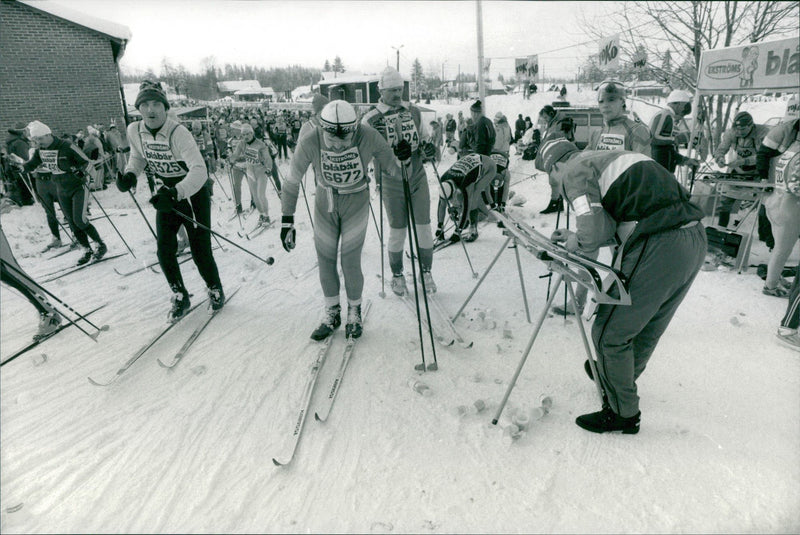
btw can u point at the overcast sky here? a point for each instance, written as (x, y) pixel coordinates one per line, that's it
(278, 33)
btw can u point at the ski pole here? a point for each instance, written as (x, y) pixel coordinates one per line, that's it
(413, 239)
(380, 200)
(447, 202)
(153, 232)
(49, 209)
(38, 286)
(305, 198)
(233, 192)
(112, 223)
(269, 260)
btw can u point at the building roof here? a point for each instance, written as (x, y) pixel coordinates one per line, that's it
(232, 86)
(259, 91)
(110, 29)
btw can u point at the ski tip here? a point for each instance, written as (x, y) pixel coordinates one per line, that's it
(95, 383)
(432, 367)
(276, 462)
(318, 418)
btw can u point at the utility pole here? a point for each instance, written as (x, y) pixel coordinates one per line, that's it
(460, 96)
(481, 85)
(398, 56)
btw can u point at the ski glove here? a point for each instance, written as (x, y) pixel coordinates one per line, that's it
(165, 199)
(126, 182)
(567, 237)
(428, 151)
(287, 232)
(403, 150)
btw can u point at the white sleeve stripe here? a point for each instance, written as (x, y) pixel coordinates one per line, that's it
(616, 168)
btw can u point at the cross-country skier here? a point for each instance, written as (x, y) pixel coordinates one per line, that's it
(663, 126)
(169, 150)
(14, 276)
(67, 165)
(384, 118)
(618, 133)
(255, 155)
(340, 150)
(627, 198)
(467, 187)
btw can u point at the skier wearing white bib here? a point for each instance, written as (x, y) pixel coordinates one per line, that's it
(384, 118)
(255, 155)
(339, 150)
(168, 149)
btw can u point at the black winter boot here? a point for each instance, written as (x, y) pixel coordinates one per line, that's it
(607, 420)
(556, 205)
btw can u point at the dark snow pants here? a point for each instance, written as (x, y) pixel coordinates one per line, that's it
(167, 226)
(660, 270)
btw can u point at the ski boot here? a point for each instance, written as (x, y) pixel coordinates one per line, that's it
(180, 304)
(216, 297)
(333, 319)
(427, 278)
(48, 322)
(263, 220)
(399, 284)
(87, 256)
(353, 328)
(556, 205)
(55, 244)
(101, 251)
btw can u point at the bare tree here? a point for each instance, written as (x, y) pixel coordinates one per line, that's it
(675, 33)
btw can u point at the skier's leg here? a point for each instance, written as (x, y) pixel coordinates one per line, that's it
(354, 213)
(47, 193)
(65, 193)
(660, 270)
(394, 202)
(421, 204)
(167, 225)
(200, 238)
(326, 242)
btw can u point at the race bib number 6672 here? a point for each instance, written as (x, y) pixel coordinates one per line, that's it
(341, 168)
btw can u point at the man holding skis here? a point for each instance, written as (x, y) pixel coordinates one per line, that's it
(169, 150)
(627, 198)
(387, 114)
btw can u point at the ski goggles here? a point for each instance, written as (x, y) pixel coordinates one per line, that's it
(340, 130)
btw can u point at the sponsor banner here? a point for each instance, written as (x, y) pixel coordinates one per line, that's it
(521, 66)
(639, 59)
(608, 55)
(533, 67)
(751, 68)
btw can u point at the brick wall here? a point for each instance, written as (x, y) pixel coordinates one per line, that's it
(55, 71)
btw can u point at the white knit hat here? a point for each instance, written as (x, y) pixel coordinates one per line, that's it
(38, 129)
(390, 78)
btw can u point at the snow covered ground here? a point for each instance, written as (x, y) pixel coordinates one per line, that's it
(189, 449)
